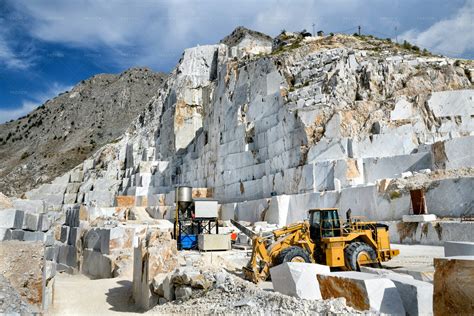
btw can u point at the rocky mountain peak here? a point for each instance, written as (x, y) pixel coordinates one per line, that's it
(240, 32)
(68, 128)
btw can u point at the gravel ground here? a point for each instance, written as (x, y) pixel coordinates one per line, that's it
(11, 302)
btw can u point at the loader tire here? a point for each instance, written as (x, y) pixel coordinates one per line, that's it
(293, 254)
(355, 251)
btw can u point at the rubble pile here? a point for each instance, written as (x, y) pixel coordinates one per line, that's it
(216, 292)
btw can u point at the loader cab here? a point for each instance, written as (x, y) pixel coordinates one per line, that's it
(324, 223)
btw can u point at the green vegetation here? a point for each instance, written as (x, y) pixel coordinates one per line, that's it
(409, 46)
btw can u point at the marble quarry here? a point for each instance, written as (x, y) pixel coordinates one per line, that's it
(270, 136)
(273, 137)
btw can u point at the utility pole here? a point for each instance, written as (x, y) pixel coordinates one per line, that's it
(314, 34)
(359, 29)
(396, 35)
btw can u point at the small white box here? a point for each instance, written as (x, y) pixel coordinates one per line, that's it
(214, 242)
(205, 208)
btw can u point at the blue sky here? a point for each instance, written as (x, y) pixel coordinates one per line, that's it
(48, 46)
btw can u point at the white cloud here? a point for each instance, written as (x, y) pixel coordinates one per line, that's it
(31, 103)
(12, 59)
(453, 36)
(148, 31)
(154, 32)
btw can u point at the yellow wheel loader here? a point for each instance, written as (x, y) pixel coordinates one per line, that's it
(323, 239)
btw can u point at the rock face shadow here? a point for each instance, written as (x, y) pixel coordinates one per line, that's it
(120, 298)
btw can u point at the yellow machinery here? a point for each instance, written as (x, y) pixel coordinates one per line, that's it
(323, 239)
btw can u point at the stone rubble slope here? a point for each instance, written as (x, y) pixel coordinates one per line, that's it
(67, 129)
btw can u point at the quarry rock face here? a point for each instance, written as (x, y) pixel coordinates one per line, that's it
(453, 285)
(328, 121)
(337, 122)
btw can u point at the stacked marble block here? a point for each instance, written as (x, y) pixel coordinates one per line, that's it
(27, 221)
(66, 250)
(102, 246)
(145, 178)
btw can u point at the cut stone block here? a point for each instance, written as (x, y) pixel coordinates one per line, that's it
(125, 200)
(45, 223)
(51, 253)
(67, 256)
(76, 176)
(417, 296)
(70, 198)
(97, 265)
(209, 242)
(452, 103)
(72, 217)
(100, 198)
(31, 221)
(33, 236)
(403, 111)
(18, 234)
(419, 218)
(454, 286)
(73, 188)
(298, 279)
(106, 239)
(362, 291)
(33, 206)
(383, 272)
(5, 234)
(74, 236)
(11, 218)
(458, 248)
(64, 233)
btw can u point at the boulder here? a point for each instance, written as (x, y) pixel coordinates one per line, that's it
(362, 291)
(168, 289)
(298, 279)
(454, 286)
(157, 284)
(183, 292)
